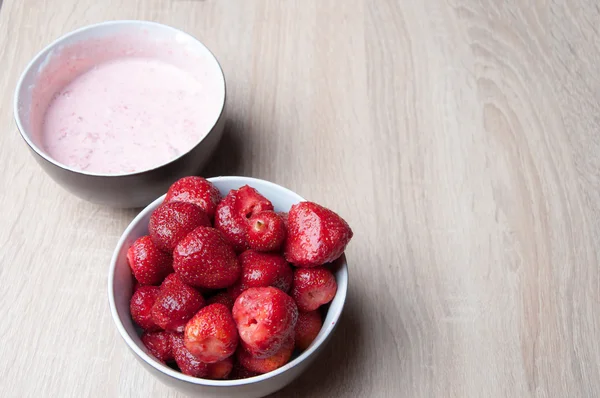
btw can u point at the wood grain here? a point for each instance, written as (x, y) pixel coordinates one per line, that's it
(459, 138)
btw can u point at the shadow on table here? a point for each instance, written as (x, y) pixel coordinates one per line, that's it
(336, 364)
(226, 160)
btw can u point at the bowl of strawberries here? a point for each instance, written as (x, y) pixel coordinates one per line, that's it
(229, 286)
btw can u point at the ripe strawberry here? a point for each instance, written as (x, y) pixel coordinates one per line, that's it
(222, 297)
(240, 372)
(234, 211)
(220, 370)
(159, 345)
(249, 202)
(316, 235)
(313, 287)
(195, 190)
(205, 259)
(307, 328)
(172, 221)
(140, 307)
(170, 281)
(176, 304)
(266, 231)
(265, 317)
(269, 364)
(211, 335)
(148, 264)
(187, 363)
(262, 270)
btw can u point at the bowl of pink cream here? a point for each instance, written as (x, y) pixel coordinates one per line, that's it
(115, 112)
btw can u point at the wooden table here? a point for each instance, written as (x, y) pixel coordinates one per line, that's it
(459, 138)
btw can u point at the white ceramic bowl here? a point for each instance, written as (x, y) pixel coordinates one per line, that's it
(120, 291)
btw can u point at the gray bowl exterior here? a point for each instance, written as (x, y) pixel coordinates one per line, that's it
(253, 390)
(135, 190)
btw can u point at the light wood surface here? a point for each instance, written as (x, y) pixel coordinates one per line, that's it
(459, 138)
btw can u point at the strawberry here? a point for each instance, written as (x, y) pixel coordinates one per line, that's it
(204, 259)
(159, 345)
(211, 335)
(269, 364)
(266, 231)
(222, 297)
(170, 281)
(248, 201)
(313, 287)
(140, 307)
(172, 221)
(316, 235)
(261, 270)
(176, 304)
(195, 190)
(265, 317)
(307, 328)
(234, 211)
(240, 372)
(220, 370)
(187, 363)
(148, 264)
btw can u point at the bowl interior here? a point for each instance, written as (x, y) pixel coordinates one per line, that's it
(79, 51)
(121, 281)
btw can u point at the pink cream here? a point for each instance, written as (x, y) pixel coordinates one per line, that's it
(126, 115)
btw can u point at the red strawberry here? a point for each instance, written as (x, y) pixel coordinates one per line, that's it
(171, 222)
(140, 307)
(222, 297)
(313, 287)
(211, 335)
(265, 317)
(307, 328)
(148, 264)
(220, 370)
(316, 235)
(176, 304)
(187, 363)
(269, 364)
(205, 259)
(170, 281)
(195, 190)
(266, 231)
(235, 210)
(261, 270)
(159, 345)
(240, 372)
(249, 202)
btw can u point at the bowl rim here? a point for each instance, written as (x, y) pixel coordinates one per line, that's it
(329, 328)
(47, 49)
